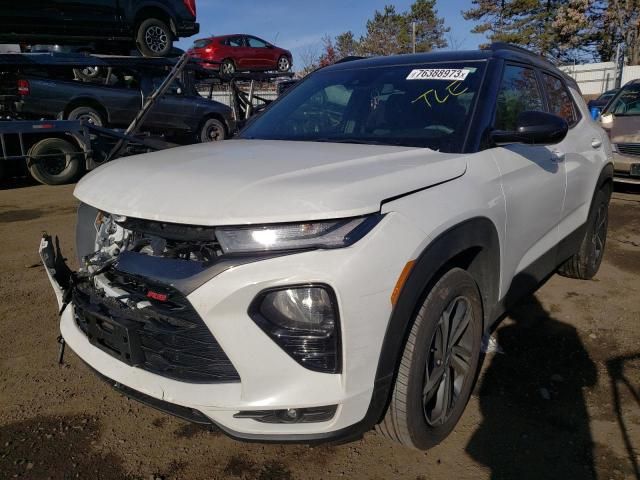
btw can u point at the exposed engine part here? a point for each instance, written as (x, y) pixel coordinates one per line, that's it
(115, 234)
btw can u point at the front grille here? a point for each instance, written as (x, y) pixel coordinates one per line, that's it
(629, 148)
(166, 337)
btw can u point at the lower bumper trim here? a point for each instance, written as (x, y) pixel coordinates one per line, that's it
(185, 413)
(344, 435)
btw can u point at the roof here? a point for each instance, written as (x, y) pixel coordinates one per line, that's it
(495, 50)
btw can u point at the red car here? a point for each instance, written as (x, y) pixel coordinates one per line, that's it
(241, 53)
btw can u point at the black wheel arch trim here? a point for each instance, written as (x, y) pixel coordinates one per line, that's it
(473, 245)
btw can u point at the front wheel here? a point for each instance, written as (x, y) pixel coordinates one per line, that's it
(212, 131)
(154, 38)
(439, 364)
(585, 263)
(283, 64)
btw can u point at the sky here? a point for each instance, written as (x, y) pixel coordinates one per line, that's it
(299, 25)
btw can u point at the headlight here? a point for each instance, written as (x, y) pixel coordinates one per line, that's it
(303, 321)
(292, 236)
(614, 147)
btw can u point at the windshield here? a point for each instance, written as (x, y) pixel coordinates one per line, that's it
(425, 105)
(627, 103)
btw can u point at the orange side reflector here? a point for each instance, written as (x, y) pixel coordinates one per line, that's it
(401, 281)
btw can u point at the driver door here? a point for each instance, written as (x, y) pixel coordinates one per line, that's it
(173, 112)
(533, 177)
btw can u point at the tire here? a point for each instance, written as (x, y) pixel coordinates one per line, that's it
(283, 65)
(154, 38)
(585, 263)
(227, 67)
(58, 170)
(421, 422)
(88, 74)
(87, 114)
(212, 131)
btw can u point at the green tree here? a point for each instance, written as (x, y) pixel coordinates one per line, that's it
(430, 29)
(386, 33)
(346, 45)
(521, 22)
(390, 32)
(566, 29)
(619, 22)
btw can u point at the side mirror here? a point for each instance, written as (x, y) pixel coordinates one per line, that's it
(533, 128)
(270, 46)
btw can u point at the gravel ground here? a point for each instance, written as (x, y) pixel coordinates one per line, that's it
(561, 401)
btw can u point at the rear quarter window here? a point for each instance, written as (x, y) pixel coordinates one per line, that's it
(200, 43)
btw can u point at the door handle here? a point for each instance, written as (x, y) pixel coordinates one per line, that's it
(557, 156)
(596, 142)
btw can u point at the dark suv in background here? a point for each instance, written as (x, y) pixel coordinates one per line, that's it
(109, 26)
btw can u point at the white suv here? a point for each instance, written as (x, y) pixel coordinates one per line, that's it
(336, 266)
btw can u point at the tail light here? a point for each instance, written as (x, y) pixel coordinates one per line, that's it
(23, 87)
(191, 6)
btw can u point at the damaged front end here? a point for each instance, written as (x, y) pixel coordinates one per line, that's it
(129, 295)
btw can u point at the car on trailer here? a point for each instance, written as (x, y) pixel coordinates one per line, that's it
(241, 52)
(56, 86)
(110, 26)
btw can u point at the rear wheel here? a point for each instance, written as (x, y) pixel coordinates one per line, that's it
(212, 131)
(87, 115)
(439, 364)
(228, 67)
(55, 161)
(585, 263)
(154, 38)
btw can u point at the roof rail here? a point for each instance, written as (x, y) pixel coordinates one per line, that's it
(519, 49)
(349, 58)
(509, 46)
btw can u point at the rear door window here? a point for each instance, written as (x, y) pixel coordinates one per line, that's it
(235, 42)
(519, 92)
(560, 102)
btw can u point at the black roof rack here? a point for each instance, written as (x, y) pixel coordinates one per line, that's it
(508, 46)
(518, 49)
(349, 58)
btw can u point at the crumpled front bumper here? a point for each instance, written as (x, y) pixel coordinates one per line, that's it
(270, 379)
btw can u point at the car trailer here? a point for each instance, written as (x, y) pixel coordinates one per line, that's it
(245, 103)
(55, 151)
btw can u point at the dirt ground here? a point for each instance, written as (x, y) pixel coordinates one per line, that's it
(561, 401)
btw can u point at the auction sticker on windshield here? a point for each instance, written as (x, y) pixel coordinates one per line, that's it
(438, 74)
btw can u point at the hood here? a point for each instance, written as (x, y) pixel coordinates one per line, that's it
(262, 181)
(625, 129)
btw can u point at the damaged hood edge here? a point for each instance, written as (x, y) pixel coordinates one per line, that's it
(263, 181)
